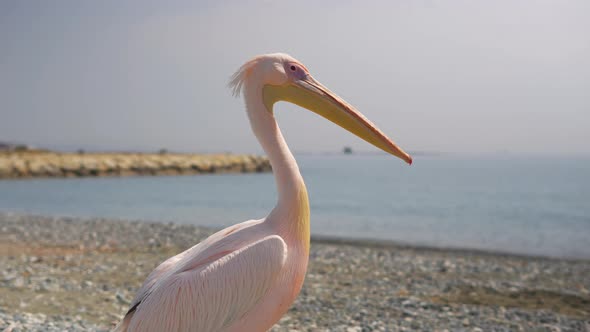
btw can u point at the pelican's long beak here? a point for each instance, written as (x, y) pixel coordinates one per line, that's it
(311, 94)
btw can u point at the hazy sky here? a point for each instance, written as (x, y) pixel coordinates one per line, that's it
(453, 76)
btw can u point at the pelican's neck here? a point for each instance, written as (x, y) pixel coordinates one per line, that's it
(287, 176)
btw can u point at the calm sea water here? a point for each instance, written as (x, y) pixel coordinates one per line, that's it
(534, 205)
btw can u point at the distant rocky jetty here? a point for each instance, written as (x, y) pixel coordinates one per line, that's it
(7, 146)
(33, 164)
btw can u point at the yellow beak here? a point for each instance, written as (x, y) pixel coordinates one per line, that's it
(310, 94)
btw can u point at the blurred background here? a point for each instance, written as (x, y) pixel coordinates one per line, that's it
(490, 97)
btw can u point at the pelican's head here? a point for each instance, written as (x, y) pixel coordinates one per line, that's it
(284, 78)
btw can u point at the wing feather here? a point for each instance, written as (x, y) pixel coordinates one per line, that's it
(212, 296)
(193, 256)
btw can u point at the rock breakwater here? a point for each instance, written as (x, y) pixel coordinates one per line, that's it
(33, 164)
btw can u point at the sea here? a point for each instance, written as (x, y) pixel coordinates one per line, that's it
(535, 205)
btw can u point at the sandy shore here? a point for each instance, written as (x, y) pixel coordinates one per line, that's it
(80, 274)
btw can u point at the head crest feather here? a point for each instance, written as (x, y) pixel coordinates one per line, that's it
(236, 83)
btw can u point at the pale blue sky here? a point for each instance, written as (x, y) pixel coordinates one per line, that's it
(452, 76)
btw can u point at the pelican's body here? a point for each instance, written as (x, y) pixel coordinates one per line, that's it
(245, 277)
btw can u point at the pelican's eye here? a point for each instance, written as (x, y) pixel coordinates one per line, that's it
(295, 71)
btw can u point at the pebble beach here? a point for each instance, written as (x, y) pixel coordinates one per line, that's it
(73, 274)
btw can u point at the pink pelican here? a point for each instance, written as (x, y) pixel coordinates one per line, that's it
(245, 277)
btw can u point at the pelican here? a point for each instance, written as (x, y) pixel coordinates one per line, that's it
(245, 277)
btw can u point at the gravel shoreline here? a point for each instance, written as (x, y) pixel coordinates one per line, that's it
(73, 274)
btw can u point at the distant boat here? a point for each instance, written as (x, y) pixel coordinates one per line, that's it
(347, 150)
